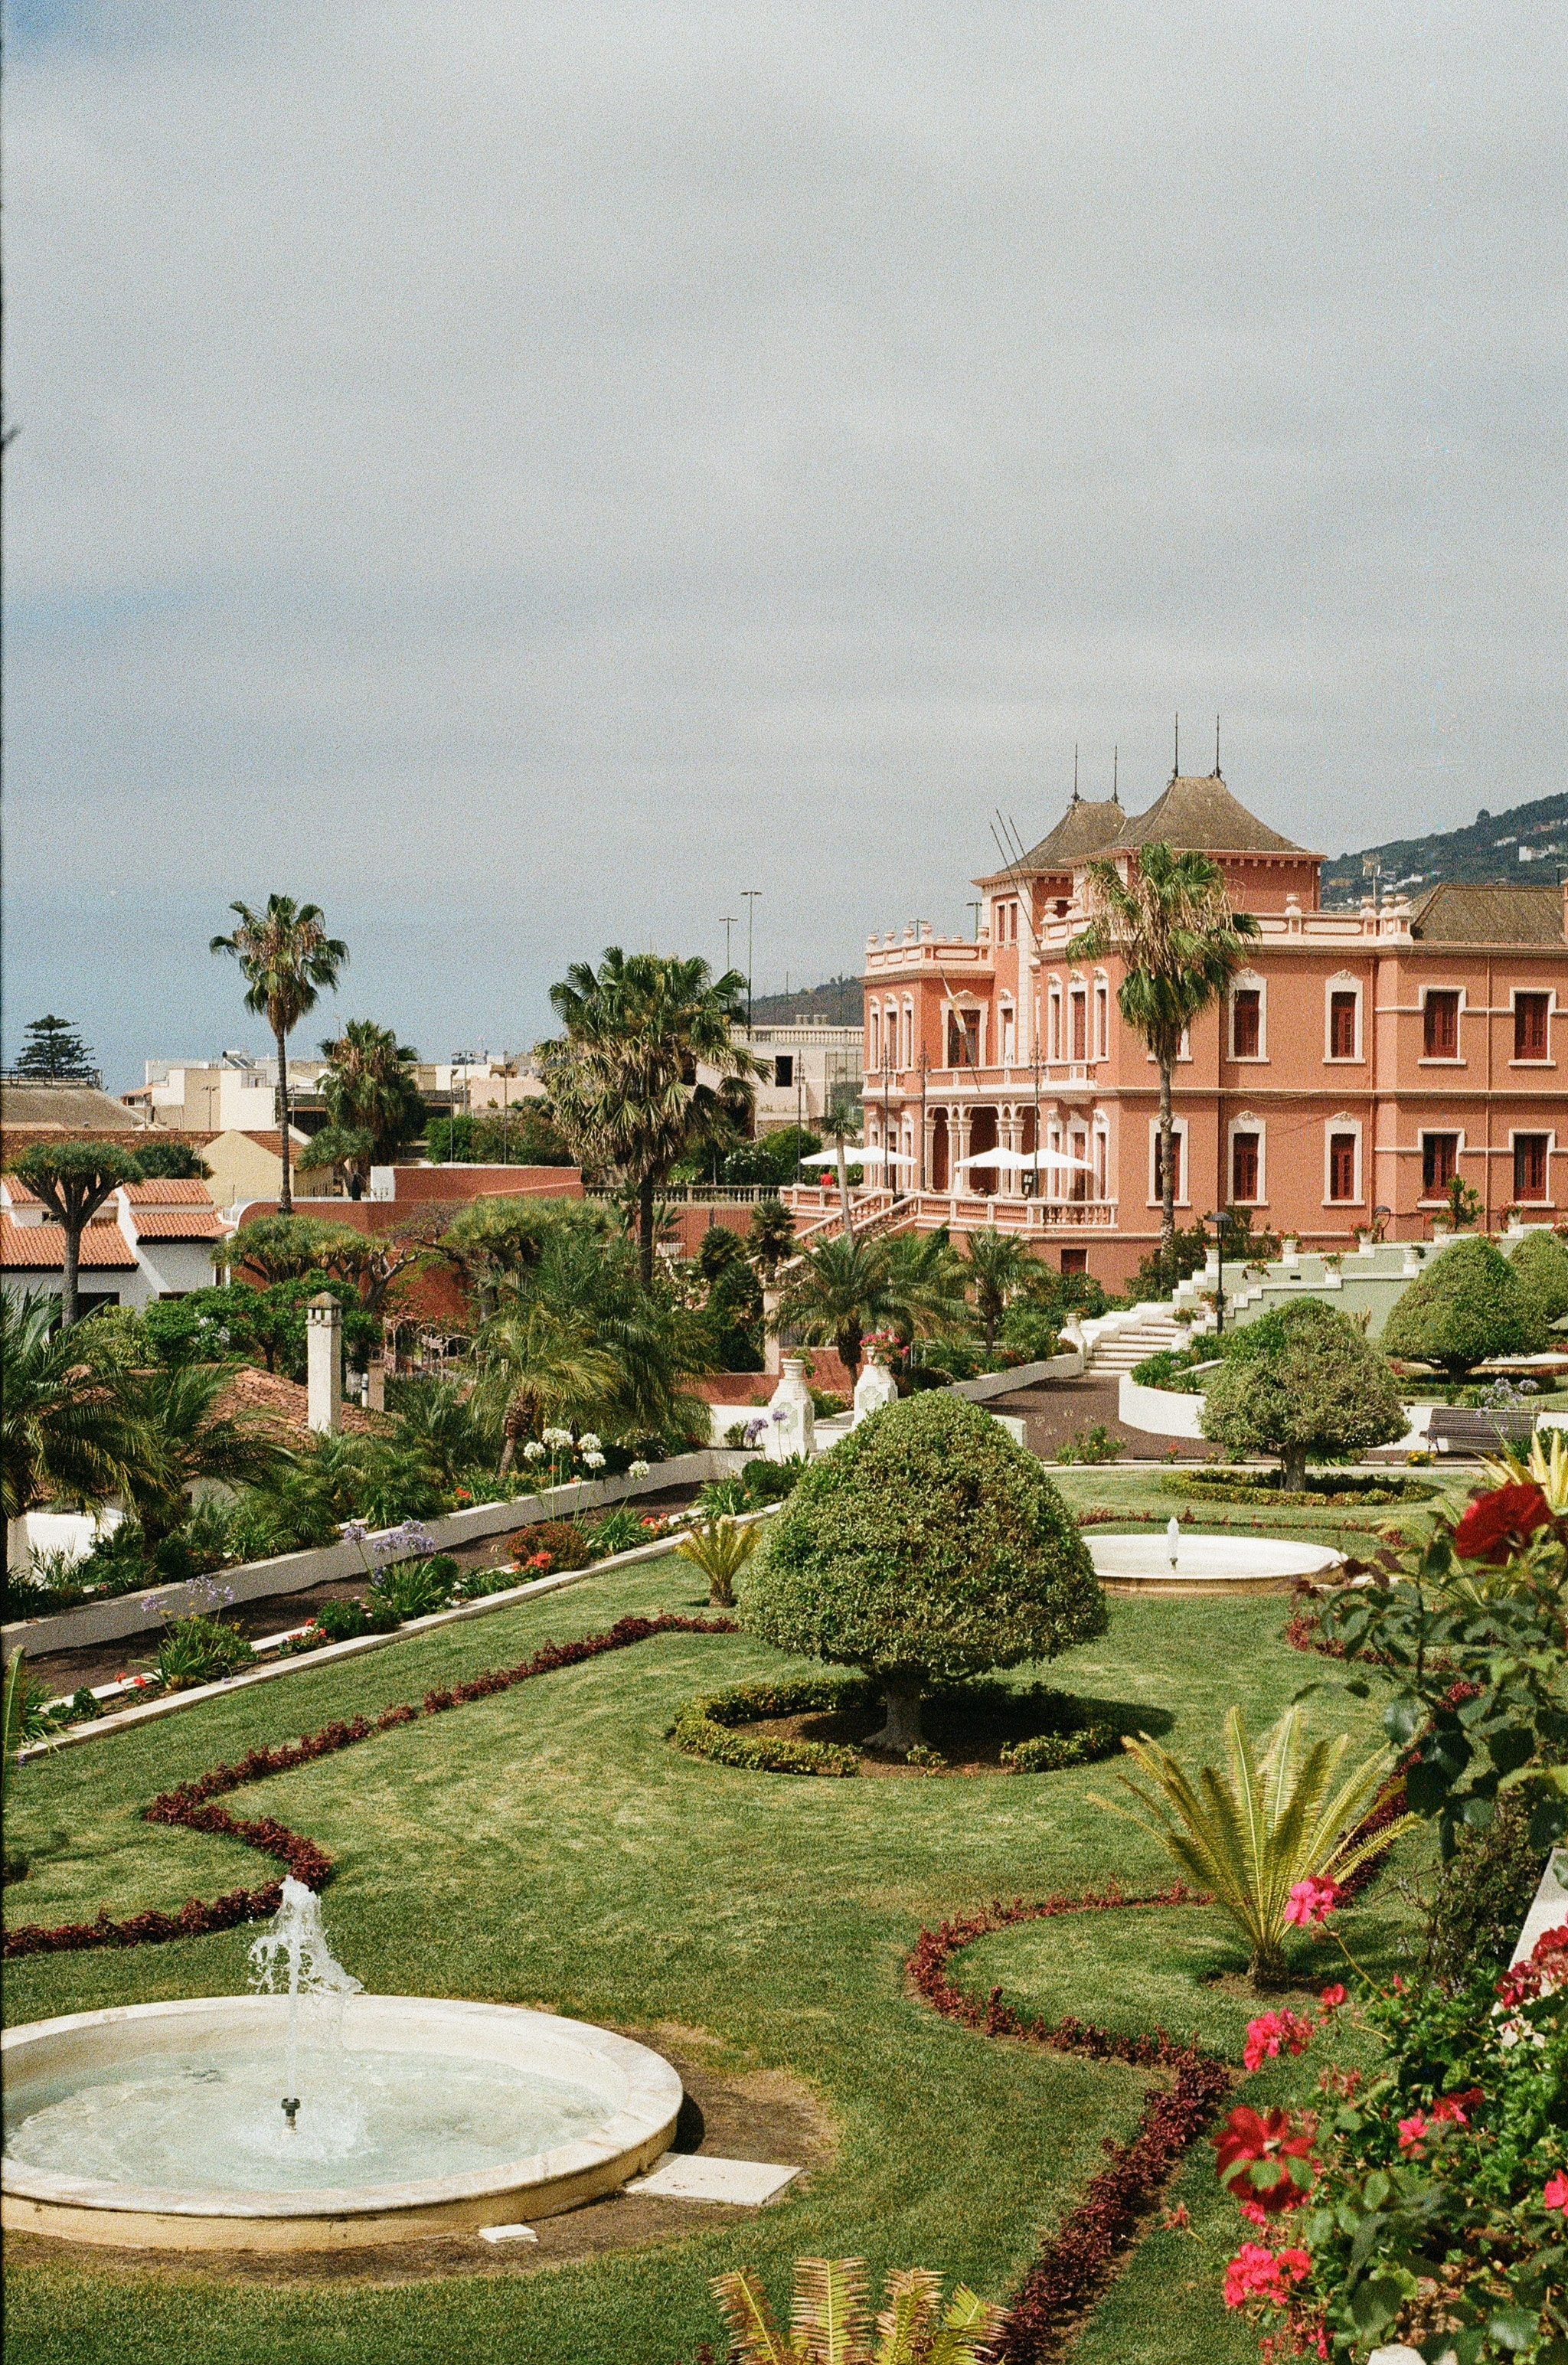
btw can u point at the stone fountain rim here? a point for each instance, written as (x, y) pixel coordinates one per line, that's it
(645, 2116)
(1311, 1560)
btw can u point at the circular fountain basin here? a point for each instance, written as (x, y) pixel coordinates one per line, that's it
(160, 2125)
(1207, 1563)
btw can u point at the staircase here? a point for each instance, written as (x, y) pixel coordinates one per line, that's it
(1118, 1350)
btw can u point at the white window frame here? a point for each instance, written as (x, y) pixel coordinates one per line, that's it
(1345, 1122)
(1531, 991)
(1078, 991)
(1007, 1028)
(1534, 1133)
(1247, 1123)
(874, 1040)
(908, 1033)
(1422, 1132)
(1100, 1134)
(1102, 1015)
(1459, 1060)
(1053, 1006)
(1184, 1195)
(1247, 981)
(1343, 984)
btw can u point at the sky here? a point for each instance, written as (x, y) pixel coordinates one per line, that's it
(519, 476)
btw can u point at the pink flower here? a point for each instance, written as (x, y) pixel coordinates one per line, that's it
(1556, 2193)
(1332, 1997)
(1256, 2272)
(1310, 1900)
(1458, 2107)
(1411, 2132)
(1271, 2030)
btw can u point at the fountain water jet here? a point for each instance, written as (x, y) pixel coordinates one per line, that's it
(299, 1938)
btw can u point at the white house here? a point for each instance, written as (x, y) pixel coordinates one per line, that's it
(148, 1240)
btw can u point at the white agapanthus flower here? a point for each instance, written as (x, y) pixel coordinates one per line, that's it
(533, 1451)
(589, 1442)
(593, 1462)
(636, 1470)
(557, 1437)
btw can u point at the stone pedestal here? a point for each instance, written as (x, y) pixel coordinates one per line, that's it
(874, 1388)
(375, 1383)
(791, 1423)
(324, 1363)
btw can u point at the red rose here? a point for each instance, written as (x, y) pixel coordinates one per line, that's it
(1498, 1524)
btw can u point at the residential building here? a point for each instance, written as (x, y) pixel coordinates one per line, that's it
(237, 1094)
(1359, 1060)
(809, 1073)
(36, 1112)
(148, 1240)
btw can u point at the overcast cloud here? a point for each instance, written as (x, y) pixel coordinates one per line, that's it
(519, 474)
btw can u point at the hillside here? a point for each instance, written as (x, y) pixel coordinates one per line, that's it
(839, 1003)
(1490, 848)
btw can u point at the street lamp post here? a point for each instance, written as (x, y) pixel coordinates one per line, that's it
(1216, 1217)
(748, 897)
(727, 921)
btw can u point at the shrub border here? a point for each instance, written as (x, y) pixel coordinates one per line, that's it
(188, 1805)
(704, 1727)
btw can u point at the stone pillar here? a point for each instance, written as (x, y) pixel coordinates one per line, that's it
(791, 1422)
(960, 1121)
(375, 1383)
(874, 1388)
(1010, 1178)
(324, 1363)
(769, 1335)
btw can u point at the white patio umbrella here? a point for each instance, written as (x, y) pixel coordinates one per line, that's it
(872, 1155)
(1013, 1161)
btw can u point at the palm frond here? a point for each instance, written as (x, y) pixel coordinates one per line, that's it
(754, 2337)
(831, 2317)
(913, 2296)
(971, 2331)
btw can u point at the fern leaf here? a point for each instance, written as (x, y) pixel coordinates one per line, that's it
(830, 2321)
(754, 2337)
(913, 2294)
(971, 2334)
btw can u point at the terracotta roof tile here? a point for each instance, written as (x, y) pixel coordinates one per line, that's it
(177, 1223)
(41, 1247)
(1454, 914)
(184, 1191)
(1200, 813)
(278, 1406)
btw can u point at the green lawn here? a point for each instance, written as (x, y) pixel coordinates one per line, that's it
(547, 1846)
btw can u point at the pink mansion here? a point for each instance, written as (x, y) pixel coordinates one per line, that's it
(1360, 1059)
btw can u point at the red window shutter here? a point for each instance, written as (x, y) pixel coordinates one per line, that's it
(1243, 1167)
(1342, 1166)
(1443, 1026)
(1342, 1025)
(1440, 1163)
(1246, 1023)
(1530, 1026)
(1530, 1166)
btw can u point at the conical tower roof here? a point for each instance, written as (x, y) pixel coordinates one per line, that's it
(1198, 812)
(1084, 829)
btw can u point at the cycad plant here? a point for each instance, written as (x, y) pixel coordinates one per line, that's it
(721, 1549)
(1278, 1817)
(831, 2321)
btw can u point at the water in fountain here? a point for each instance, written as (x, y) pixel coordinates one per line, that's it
(1173, 1538)
(296, 1949)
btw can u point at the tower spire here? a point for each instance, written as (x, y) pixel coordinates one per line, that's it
(1216, 747)
(1176, 758)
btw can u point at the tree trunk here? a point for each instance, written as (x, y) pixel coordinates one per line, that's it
(645, 1230)
(1292, 1469)
(901, 1732)
(286, 1196)
(1167, 1179)
(70, 1293)
(1268, 1970)
(843, 1189)
(849, 1345)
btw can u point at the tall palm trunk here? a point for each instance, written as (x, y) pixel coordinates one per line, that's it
(843, 1189)
(1167, 1178)
(286, 1196)
(645, 1230)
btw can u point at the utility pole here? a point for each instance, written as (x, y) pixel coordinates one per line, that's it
(748, 897)
(727, 922)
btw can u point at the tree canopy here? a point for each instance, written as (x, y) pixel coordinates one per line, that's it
(927, 1547)
(53, 1053)
(1299, 1382)
(73, 1179)
(371, 1090)
(1540, 1266)
(1468, 1305)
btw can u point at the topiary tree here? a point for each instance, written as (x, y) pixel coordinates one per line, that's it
(924, 1547)
(1540, 1266)
(1299, 1382)
(1467, 1307)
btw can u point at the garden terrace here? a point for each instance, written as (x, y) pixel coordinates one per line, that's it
(548, 1845)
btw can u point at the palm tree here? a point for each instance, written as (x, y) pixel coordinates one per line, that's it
(286, 958)
(1170, 923)
(926, 1280)
(998, 1266)
(66, 1426)
(73, 1179)
(536, 1366)
(836, 1292)
(193, 1439)
(623, 1080)
(371, 1087)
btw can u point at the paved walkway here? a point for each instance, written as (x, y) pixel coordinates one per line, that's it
(1056, 1410)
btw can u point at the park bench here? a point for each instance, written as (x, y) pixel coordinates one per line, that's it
(1466, 1428)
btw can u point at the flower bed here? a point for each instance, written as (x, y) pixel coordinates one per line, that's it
(188, 1805)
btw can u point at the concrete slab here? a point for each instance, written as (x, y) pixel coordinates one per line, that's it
(508, 2233)
(691, 2176)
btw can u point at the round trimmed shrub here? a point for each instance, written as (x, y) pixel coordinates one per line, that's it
(1468, 1305)
(926, 1547)
(1540, 1267)
(1299, 1382)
